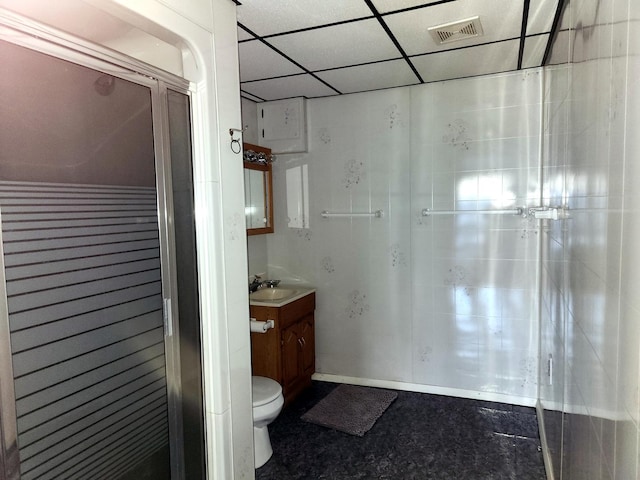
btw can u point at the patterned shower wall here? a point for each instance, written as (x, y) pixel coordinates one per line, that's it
(474, 146)
(444, 301)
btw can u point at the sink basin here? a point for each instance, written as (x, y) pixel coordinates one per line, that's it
(271, 294)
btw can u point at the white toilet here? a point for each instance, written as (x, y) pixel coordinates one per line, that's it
(267, 403)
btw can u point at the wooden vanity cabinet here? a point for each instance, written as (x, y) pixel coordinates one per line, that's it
(286, 352)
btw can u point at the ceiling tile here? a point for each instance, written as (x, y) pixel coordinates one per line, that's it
(258, 61)
(534, 48)
(248, 96)
(287, 87)
(338, 46)
(243, 35)
(373, 76)
(276, 16)
(501, 19)
(467, 62)
(541, 13)
(384, 6)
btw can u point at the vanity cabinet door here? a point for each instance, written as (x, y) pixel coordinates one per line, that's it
(298, 354)
(308, 354)
(291, 348)
(286, 353)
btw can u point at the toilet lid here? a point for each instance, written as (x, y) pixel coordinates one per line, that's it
(265, 390)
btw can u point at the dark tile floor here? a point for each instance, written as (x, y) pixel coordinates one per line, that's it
(419, 437)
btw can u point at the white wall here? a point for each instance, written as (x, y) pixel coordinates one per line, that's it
(249, 121)
(591, 309)
(443, 304)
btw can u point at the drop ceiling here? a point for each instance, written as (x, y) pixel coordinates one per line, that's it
(317, 48)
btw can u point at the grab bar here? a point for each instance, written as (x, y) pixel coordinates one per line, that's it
(427, 212)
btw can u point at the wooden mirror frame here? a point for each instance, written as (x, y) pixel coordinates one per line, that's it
(268, 187)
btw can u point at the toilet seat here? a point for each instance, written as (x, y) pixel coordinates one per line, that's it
(265, 390)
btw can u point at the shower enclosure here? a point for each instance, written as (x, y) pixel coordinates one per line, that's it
(100, 366)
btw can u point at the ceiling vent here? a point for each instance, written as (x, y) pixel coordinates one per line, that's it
(454, 31)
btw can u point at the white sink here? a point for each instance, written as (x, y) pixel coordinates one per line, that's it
(271, 294)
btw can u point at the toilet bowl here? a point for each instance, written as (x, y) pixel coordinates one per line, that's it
(267, 403)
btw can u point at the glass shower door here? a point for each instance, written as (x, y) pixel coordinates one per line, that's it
(83, 270)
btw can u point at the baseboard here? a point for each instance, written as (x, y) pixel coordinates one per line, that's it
(432, 389)
(548, 465)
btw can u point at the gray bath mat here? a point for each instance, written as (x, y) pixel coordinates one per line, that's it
(351, 409)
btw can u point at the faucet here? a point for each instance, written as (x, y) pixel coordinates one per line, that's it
(255, 284)
(258, 283)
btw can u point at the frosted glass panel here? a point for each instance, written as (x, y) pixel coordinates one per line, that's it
(65, 123)
(82, 264)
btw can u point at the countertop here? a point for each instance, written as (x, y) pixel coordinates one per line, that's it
(298, 292)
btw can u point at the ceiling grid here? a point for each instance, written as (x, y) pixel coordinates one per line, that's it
(312, 49)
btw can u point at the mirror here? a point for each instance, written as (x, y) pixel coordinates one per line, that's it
(258, 193)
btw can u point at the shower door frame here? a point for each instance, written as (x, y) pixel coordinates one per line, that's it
(27, 33)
